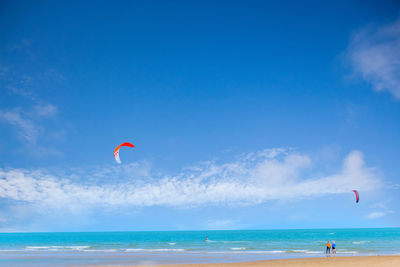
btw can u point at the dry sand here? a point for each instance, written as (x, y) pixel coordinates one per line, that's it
(354, 261)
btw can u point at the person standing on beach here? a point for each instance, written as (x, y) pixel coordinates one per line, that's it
(333, 247)
(328, 248)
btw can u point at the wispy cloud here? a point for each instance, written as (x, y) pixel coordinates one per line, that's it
(375, 215)
(45, 110)
(27, 130)
(382, 210)
(32, 118)
(22, 45)
(251, 179)
(26, 122)
(375, 55)
(393, 186)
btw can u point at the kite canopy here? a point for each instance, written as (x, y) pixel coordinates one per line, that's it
(357, 195)
(116, 151)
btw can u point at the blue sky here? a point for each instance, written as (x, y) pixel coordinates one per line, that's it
(245, 115)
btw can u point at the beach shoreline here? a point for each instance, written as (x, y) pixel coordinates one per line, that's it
(352, 261)
(172, 248)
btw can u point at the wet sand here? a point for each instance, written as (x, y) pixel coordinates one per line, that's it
(353, 261)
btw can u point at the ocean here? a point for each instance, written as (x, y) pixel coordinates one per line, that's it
(151, 247)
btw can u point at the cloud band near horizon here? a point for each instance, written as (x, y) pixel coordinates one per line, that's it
(275, 174)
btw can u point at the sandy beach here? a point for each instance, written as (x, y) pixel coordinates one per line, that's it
(354, 261)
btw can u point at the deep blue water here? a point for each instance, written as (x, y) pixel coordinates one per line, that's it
(189, 246)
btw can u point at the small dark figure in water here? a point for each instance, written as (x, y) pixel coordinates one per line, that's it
(206, 239)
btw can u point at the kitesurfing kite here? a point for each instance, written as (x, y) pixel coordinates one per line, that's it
(357, 195)
(116, 151)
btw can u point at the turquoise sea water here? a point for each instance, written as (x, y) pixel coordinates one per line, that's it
(41, 249)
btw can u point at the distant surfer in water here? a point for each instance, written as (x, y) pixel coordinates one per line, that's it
(206, 240)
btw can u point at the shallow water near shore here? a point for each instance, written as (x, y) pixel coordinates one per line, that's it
(92, 248)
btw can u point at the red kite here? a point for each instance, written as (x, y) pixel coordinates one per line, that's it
(116, 151)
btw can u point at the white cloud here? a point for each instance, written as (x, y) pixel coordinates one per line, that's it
(45, 110)
(24, 85)
(383, 210)
(251, 179)
(27, 130)
(375, 215)
(26, 121)
(381, 205)
(375, 55)
(394, 186)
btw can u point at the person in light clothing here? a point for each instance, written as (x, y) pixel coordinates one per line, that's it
(333, 247)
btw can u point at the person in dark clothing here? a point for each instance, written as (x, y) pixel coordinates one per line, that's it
(328, 247)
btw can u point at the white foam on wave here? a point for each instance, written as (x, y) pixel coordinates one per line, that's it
(241, 248)
(171, 244)
(298, 250)
(274, 251)
(226, 241)
(36, 247)
(169, 249)
(314, 252)
(77, 247)
(360, 242)
(347, 252)
(246, 252)
(154, 250)
(57, 248)
(101, 250)
(266, 251)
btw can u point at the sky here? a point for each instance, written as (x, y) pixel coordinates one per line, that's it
(244, 115)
